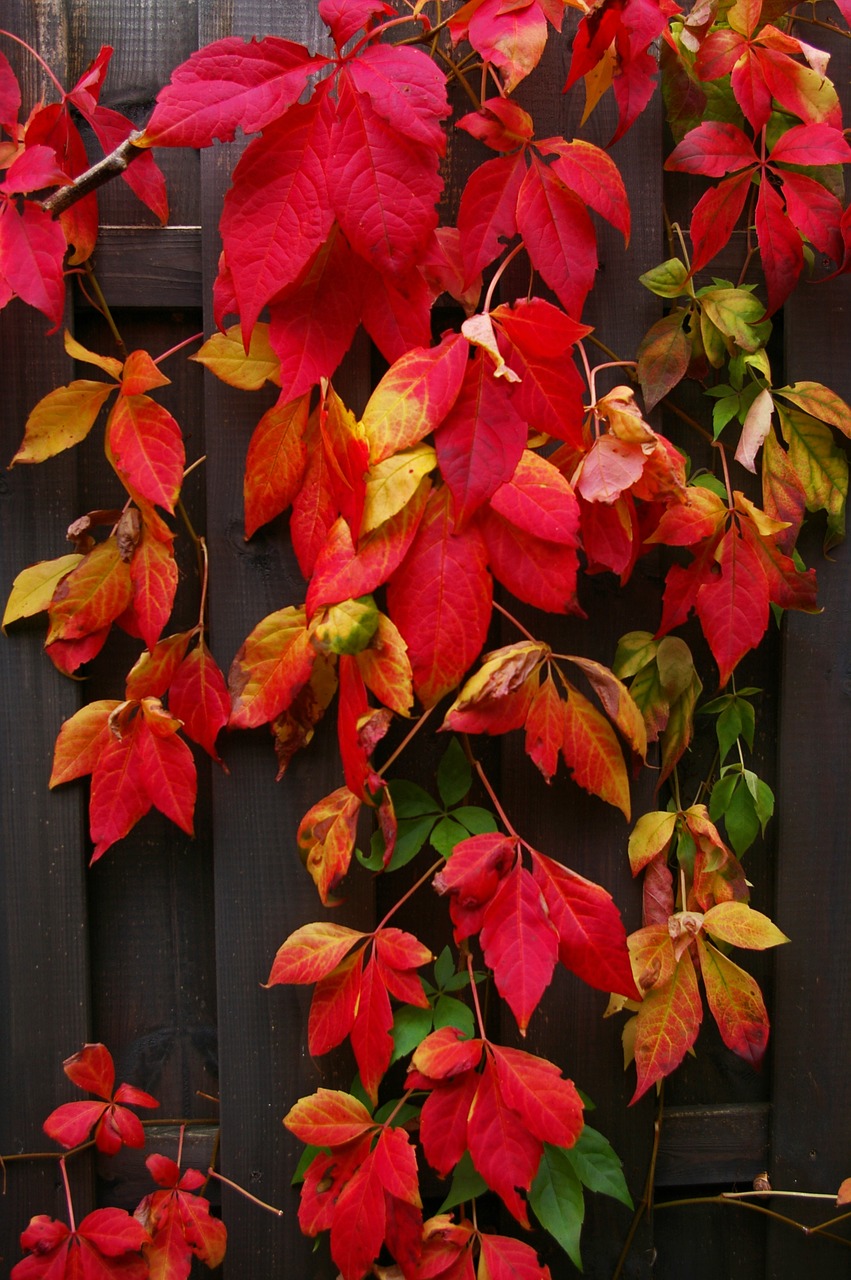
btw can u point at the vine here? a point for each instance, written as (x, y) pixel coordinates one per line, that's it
(487, 455)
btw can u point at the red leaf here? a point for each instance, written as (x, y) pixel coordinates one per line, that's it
(312, 323)
(735, 1002)
(370, 1035)
(347, 453)
(145, 445)
(119, 797)
(512, 37)
(332, 1010)
(277, 212)
(487, 214)
(538, 500)
(144, 176)
(32, 251)
(733, 605)
(472, 875)
(558, 234)
(343, 572)
(548, 1104)
(545, 729)
(594, 176)
(92, 595)
(505, 1153)
(81, 740)
(199, 697)
(713, 148)
(520, 943)
(541, 573)
(314, 510)
(406, 88)
(92, 1069)
(714, 217)
(481, 439)
(500, 123)
(440, 599)
(71, 1124)
(503, 1258)
(384, 185)
(443, 1121)
(591, 934)
(811, 144)
(345, 17)
(153, 573)
(445, 1054)
(357, 1229)
(154, 670)
(781, 251)
(326, 839)
(168, 772)
(313, 952)
(229, 85)
(324, 1180)
(396, 311)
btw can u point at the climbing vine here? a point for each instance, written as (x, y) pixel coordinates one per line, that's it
(485, 456)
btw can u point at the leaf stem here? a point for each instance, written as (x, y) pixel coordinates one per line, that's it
(410, 893)
(498, 274)
(103, 306)
(403, 744)
(270, 1208)
(518, 625)
(179, 347)
(71, 1222)
(39, 59)
(645, 1206)
(475, 993)
(111, 166)
(723, 451)
(503, 817)
(724, 1198)
(398, 1107)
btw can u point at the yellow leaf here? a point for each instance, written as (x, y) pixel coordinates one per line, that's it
(226, 357)
(77, 351)
(33, 588)
(391, 484)
(61, 419)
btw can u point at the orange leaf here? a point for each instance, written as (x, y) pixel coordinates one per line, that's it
(141, 375)
(199, 697)
(328, 1118)
(668, 1022)
(312, 952)
(153, 572)
(81, 741)
(270, 667)
(736, 1004)
(274, 466)
(414, 397)
(592, 753)
(326, 839)
(92, 595)
(386, 669)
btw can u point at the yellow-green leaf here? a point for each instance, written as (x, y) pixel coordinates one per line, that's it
(61, 419)
(391, 484)
(33, 588)
(226, 357)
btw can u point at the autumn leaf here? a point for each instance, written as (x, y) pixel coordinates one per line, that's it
(106, 1243)
(668, 1022)
(326, 839)
(198, 696)
(62, 419)
(92, 1069)
(271, 666)
(275, 463)
(33, 588)
(736, 1004)
(592, 753)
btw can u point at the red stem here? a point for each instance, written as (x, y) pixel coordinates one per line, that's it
(475, 995)
(71, 1220)
(39, 59)
(173, 350)
(495, 800)
(405, 896)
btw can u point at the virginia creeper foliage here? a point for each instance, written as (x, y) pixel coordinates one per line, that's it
(485, 464)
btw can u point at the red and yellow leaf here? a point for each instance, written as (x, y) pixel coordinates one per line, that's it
(668, 1022)
(592, 753)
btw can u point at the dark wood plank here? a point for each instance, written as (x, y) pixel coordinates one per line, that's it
(150, 266)
(713, 1144)
(812, 1038)
(44, 994)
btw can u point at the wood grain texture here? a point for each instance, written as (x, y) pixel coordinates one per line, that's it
(44, 991)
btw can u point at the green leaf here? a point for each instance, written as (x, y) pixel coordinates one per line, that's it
(738, 315)
(410, 1027)
(740, 820)
(411, 835)
(446, 835)
(449, 1012)
(763, 797)
(307, 1157)
(403, 1114)
(634, 651)
(466, 1184)
(444, 968)
(722, 795)
(411, 801)
(454, 774)
(668, 280)
(476, 820)
(558, 1201)
(598, 1166)
(374, 860)
(821, 466)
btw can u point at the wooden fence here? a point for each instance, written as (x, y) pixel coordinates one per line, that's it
(159, 951)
